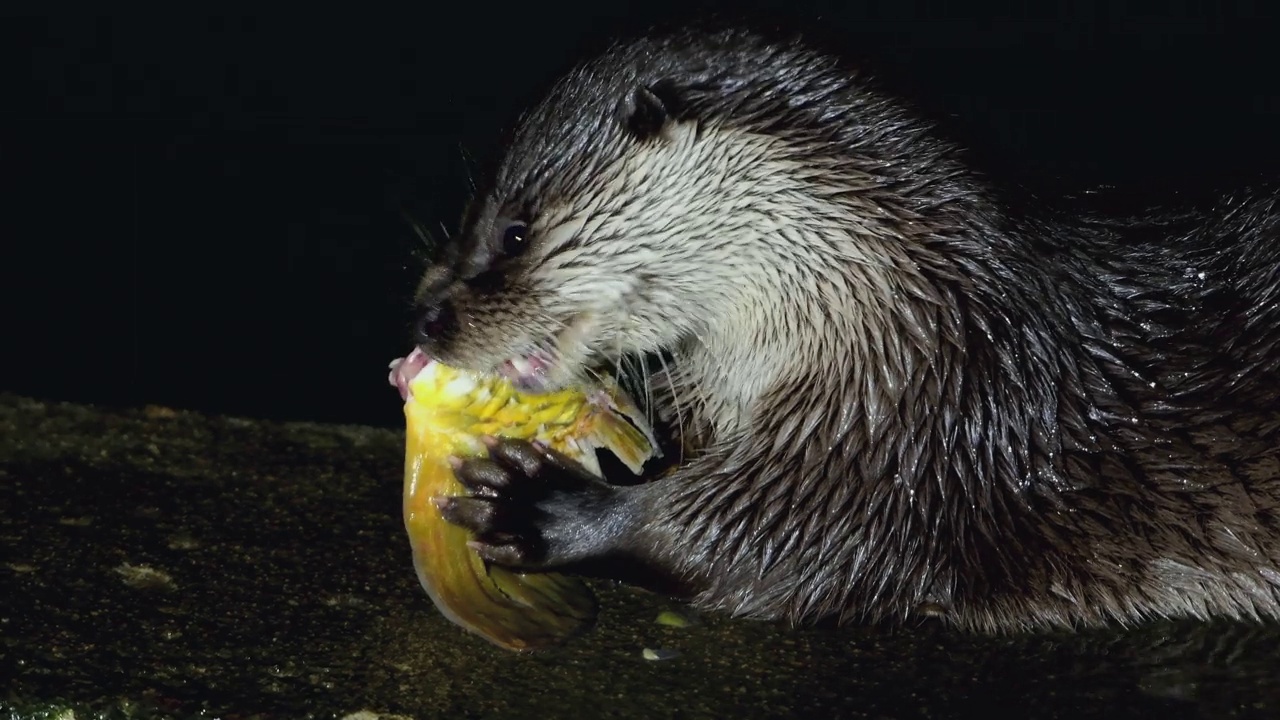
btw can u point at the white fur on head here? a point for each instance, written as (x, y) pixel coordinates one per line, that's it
(721, 245)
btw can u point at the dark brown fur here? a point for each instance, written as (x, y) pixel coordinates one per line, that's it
(1037, 420)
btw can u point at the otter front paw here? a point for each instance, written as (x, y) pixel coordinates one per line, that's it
(532, 508)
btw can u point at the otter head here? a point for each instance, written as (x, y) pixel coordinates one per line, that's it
(572, 265)
(591, 241)
(647, 198)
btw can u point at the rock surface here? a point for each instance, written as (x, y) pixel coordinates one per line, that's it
(156, 563)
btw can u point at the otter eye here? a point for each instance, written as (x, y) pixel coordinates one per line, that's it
(515, 238)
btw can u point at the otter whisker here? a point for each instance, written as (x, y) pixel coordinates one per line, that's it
(681, 428)
(636, 370)
(424, 236)
(646, 383)
(467, 163)
(699, 387)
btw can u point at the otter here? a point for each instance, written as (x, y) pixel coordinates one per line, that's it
(894, 394)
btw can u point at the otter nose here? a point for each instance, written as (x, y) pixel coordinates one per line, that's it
(437, 321)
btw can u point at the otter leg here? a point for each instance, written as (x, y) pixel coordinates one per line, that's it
(532, 508)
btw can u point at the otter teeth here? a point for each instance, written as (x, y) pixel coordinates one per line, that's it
(522, 367)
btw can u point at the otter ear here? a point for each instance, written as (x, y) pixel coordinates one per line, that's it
(652, 108)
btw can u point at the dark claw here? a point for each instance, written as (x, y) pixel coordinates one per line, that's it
(511, 554)
(475, 514)
(534, 460)
(486, 478)
(521, 457)
(558, 460)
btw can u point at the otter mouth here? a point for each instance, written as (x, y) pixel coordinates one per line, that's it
(528, 372)
(533, 372)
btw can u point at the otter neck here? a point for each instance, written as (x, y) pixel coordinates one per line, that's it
(815, 303)
(811, 276)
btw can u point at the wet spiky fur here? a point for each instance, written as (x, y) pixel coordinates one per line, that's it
(904, 394)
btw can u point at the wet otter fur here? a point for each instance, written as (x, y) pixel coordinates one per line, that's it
(898, 394)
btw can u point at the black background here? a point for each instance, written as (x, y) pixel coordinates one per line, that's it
(206, 212)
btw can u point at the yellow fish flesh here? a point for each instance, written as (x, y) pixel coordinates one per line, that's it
(446, 411)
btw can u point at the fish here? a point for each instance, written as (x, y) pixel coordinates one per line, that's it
(447, 412)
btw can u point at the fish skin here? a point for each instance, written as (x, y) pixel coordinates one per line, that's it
(447, 411)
